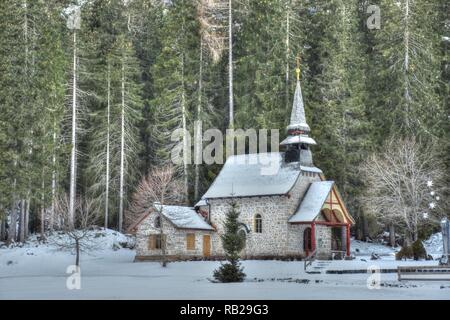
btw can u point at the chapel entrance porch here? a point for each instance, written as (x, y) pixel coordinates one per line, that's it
(327, 240)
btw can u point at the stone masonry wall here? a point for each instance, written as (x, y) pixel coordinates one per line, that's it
(278, 237)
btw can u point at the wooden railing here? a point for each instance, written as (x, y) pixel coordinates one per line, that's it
(309, 259)
(423, 273)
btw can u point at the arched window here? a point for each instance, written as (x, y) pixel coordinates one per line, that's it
(258, 223)
(307, 243)
(157, 222)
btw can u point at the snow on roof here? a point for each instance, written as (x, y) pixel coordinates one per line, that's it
(312, 202)
(310, 169)
(184, 217)
(201, 203)
(298, 139)
(254, 175)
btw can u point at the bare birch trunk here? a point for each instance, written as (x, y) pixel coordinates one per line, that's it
(52, 210)
(198, 128)
(43, 207)
(107, 148)
(73, 159)
(406, 64)
(230, 63)
(287, 97)
(122, 151)
(185, 139)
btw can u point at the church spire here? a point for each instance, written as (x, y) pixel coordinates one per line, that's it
(298, 118)
(298, 141)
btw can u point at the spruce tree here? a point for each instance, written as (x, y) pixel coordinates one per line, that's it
(116, 111)
(174, 85)
(233, 243)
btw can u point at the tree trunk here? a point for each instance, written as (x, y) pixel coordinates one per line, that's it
(185, 131)
(52, 211)
(43, 222)
(287, 95)
(22, 221)
(27, 218)
(122, 150)
(107, 148)
(163, 242)
(198, 128)
(13, 224)
(392, 235)
(365, 228)
(3, 229)
(230, 64)
(77, 249)
(73, 157)
(407, 94)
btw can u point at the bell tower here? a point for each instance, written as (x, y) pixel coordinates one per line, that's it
(298, 141)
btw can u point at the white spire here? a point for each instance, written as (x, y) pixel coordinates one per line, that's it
(298, 118)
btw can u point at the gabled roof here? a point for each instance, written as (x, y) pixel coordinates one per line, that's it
(181, 217)
(261, 174)
(201, 203)
(312, 202)
(184, 217)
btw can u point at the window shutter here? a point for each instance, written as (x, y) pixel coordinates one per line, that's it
(190, 241)
(151, 242)
(163, 241)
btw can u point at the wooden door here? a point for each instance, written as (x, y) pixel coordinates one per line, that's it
(206, 245)
(307, 243)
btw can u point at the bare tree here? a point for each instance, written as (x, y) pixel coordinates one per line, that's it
(160, 187)
(77, 233)
(403, 185)
(73, 23)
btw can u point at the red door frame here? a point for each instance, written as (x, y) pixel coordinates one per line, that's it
(348, 240)
(313, 236)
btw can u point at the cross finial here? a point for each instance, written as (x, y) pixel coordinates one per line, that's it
(297, 70)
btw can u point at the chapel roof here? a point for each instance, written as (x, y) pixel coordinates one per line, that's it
(312, 202)
(261, 174)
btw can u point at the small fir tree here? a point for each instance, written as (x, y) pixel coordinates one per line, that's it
(232, 243)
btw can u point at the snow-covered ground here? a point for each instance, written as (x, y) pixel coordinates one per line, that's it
(39, 272)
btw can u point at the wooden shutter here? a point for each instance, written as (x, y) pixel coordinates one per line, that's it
(163, 241)
(152, 242)
(190, 241)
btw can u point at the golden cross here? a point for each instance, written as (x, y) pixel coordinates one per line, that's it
(297, 70)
